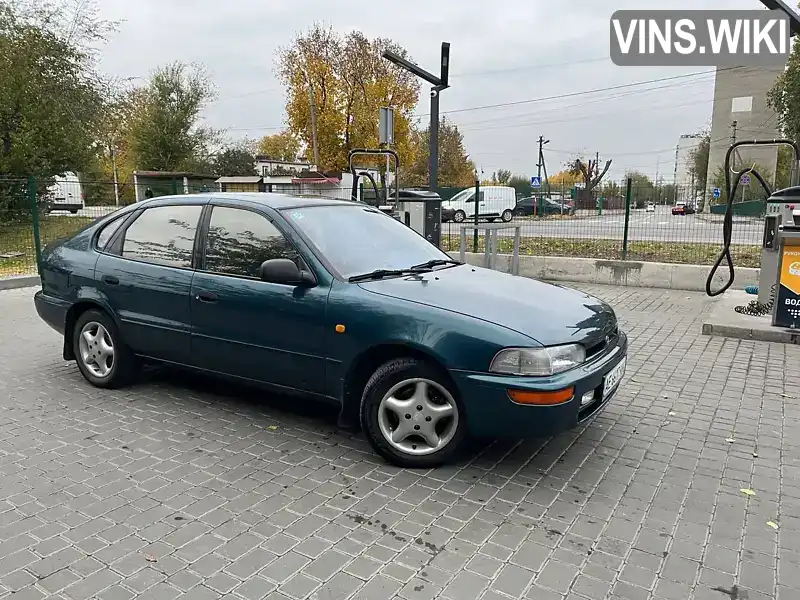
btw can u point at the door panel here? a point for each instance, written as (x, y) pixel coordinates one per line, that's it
(261, 331)
(149, 286)
(247, 327)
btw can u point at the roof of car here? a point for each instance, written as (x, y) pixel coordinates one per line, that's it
(271, 199)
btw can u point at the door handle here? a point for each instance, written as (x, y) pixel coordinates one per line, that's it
(110, 280)
(206, 297)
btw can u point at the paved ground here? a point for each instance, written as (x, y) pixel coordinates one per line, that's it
(643, 226)
(179, 488)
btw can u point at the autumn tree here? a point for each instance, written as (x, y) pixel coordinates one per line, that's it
(456, 169)
(564, 179)
(165, 130)
(283, 146)
(350, 81)
(521, 184)
(589, 171)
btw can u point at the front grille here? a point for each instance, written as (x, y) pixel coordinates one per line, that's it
(609, 338)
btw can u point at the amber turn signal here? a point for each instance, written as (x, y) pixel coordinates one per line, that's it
(542, 398)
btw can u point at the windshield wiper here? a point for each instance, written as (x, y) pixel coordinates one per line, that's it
(381, 273)
(435, 263)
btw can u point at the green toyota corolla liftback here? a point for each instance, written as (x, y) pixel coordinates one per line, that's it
(334, 300)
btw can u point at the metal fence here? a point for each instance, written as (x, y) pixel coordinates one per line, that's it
(31, 215)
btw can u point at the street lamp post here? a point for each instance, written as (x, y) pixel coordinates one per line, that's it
(439, 83)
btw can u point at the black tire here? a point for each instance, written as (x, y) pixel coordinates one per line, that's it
(124, 366)
(507, 216)
(491, 219)
(74, 211)
(459, 216)
(381, 382)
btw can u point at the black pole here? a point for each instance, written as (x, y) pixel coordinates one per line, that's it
(433, 142)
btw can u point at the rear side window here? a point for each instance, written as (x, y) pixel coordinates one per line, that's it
(107, 232)
(163, 235)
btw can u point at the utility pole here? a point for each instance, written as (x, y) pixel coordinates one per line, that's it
(675, 174)
(313, 106)
(540, 166)
(658, 193)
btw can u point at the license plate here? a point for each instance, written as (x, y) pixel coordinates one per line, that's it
(611, 381)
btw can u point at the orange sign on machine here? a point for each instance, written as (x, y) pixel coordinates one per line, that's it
(786, 311)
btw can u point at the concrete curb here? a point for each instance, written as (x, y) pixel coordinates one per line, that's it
(14, 283)
(724, 321)
(618, 272)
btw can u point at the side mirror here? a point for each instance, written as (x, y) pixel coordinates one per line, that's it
(286, 272)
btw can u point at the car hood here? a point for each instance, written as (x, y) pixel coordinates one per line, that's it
(550, 314)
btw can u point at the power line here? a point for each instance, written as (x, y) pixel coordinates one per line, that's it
(581, 93)
(542, 98)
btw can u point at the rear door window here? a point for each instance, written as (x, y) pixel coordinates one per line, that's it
(163, 235)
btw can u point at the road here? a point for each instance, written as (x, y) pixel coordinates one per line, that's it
(660, 226)
(182, 488)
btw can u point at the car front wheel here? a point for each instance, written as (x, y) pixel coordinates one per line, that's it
(411, 415)
(507, 216)
(102, 357)
(459, 216)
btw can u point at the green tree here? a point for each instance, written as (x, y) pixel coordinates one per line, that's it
(234, 161)
(455, 166)
(50, 96)
(698, 163)
(501, 177)
(784, 97)
(164, 130)
(521, 185)
(754, 191)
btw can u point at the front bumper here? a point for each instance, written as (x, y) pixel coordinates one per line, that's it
(490, 412)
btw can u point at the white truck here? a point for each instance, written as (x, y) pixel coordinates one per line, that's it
(66, 194)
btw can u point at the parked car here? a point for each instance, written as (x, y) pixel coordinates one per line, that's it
(651, 207)
(65, 194)
(496, 202)
(332, 300)
(530, 206)
(683, 208)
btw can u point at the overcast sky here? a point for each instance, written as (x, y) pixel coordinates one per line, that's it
(504, 51)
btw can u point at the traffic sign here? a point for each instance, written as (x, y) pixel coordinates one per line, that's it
(717, 193)
(536, 182)
(745, 180)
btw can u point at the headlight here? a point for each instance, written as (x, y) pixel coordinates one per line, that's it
(538, 362)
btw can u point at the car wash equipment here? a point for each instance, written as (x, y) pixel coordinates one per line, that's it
(386, 152)
(422, 211)
(777, 204)
(786, 309)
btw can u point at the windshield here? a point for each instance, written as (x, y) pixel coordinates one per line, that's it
(358, 239)
(462, 195)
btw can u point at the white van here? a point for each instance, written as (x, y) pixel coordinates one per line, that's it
(66, 194)
(496, 202)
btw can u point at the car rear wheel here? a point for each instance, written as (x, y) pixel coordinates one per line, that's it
(459, 216)
(507, 216)
(102, 357)
(411, 415)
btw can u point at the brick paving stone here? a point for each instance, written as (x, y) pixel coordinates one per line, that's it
(241, 496)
